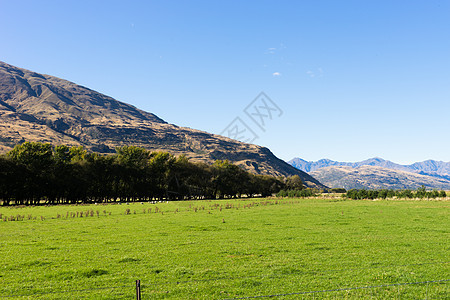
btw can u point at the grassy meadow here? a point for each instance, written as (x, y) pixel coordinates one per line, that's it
(227, 249)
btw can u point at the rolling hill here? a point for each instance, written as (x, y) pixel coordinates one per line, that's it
(37, 107)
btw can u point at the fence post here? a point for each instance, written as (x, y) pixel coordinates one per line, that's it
(138, 289)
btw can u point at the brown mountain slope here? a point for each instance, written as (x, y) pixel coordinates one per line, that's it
(36, 107)
(374, 177)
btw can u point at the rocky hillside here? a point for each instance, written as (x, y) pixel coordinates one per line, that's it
(36, 107)
(374, 177)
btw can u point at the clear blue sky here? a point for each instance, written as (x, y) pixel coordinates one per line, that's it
(355, 79)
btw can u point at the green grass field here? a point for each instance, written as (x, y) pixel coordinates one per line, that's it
(228, 249)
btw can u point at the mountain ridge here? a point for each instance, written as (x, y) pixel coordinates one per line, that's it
(376, 177)
(428, 167)
(44, 108)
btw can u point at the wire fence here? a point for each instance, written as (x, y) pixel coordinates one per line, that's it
(132, 290)
(69, 292)
(432, 289)
(341, 289)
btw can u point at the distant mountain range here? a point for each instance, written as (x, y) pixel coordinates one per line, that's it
(374, 177)
(429, 167)
(43, 108)
(377, 173)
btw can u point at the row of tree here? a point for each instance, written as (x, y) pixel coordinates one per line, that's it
(296, 193)
(420, 193)
(34, 173)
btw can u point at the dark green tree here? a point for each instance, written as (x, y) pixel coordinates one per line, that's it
(294, 183)
(38, 159)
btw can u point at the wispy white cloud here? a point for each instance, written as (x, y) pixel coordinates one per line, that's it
(276, 74)
(273, 50)
(318, 73)
(270, 51)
